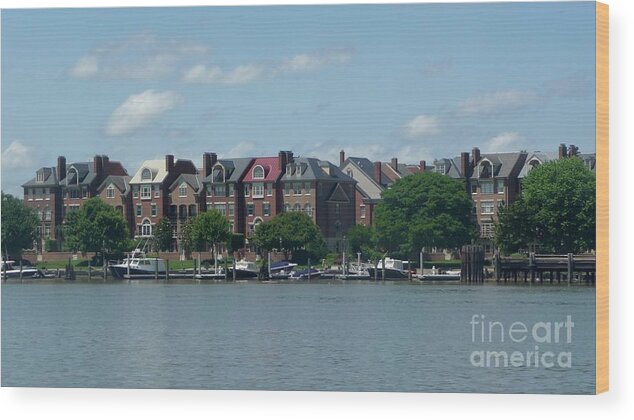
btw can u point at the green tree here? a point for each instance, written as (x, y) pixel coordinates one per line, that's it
(96, 227)
(163, 235)
(235, 242)
(557, 210)
(362, 239)
(424, 210)
(19, 226)
(209, 229)
(291, 232)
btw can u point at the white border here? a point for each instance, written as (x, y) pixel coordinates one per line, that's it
(165, 404)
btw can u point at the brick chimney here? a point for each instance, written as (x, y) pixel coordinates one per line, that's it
(61, 167)
(423, 166)
(342, 158)
(394, 164)
(282, 158)
(98, 166)
(573, 150)
(169, 163)
(377, 172)
(106, 164)
(475, 154)
(464, 164)
(562, 151)
(209, 160)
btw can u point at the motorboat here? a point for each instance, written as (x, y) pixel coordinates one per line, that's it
(10, 270)
(244, 270)
(393, 270)
(138, 266)
(313, 273)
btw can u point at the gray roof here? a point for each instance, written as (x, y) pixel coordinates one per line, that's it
(120, 181)
(314, 169)
(234, 168)
(542, 157)
(85, 173)
(189, 179)
(504, 164)
(367, 166)
(50, 178)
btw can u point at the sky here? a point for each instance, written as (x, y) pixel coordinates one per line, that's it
(416, 81)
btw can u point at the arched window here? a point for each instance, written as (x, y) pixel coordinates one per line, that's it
(534, 163)
(258, 172)
(192, 210)
(182, 211)
(485, 169)
(145, 229)
(218, 174)
(308, 209)
(297, 207)
(257, 221)
(146, 174)
(110, 191)
(287, 208)
(72, 177)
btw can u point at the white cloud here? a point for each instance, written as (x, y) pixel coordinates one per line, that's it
(17, 155)
(497, 102)
(421, 126)
(138, 57)
(241, 149)
(215, 75)
(249, 72)
(139, 110)
(504, 141)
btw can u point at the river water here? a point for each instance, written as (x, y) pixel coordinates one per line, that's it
(354, 337)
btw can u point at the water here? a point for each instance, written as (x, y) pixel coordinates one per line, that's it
(360, 337)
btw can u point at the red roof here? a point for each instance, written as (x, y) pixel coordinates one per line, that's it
(271, 166)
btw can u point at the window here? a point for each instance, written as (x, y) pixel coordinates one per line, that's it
(258, 172)
(308, 209)
(500, 203)
(231, 210)
(500, 186)
(297, 207)
(38, 194)
(486, 230)
(250, 209)
(218, 175)
(192, 210)
(220, 190)
(47, 231)
(349, 173)
(486, 207)
(209, 193)
(362, 211)
(221, 207)
(47, 213)
(146, 174)
(307, 188)
(84, 192)
(269, 189)
(182, 190)
(247, 190)
(287, 208)
(40, 176)
(474, 188)
(297, 188)
(485, 170)
(157, 191)
(258, 190)
(110, 191)
(154, 210)
(231, 190)
(266, 209)
(486, 187)
(145, 229)
(135, 192)
(146, 192)
(287, 188)
(47, 193)
(74, 193)
(139, 210)
(440, 168)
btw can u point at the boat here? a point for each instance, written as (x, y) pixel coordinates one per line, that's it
(9, 271)
(138, 266)
(393, 270)
(313, 273)
(438, 275)
(244, 270)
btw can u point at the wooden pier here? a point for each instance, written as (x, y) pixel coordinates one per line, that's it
(539, 268)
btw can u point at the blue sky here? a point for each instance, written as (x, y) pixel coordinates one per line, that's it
(412, 81)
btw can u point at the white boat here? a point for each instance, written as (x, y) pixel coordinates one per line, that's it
(9, 270)
(393, 270)
(245, 270)
(138, 266)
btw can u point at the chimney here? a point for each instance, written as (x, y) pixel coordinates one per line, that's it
(61, 167)
(289, 157)
(464, 164)
(98, 166)
(282, 158)
(423, 166)
(342, 158)
(562, 151)
(106, 164)
(475, 154)
(209, 160)
(394, 164)
(169, 163)
(377, 172)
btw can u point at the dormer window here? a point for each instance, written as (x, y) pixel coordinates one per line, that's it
(72, 177)
(146, 174)
(440, 168)
(485, 169)
(110, 191)
(534, 164)
(182, 190)
(40, 176)
(258, 172)
(289, 169)
(218, 174)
